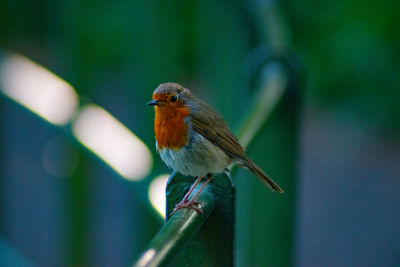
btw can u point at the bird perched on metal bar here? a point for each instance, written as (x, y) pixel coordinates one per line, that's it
(193, 139)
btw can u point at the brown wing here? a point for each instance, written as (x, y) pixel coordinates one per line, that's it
(211, 126)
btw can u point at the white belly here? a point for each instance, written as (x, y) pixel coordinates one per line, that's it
(198, 158)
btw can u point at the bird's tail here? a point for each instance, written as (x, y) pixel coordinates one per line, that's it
(263, 176)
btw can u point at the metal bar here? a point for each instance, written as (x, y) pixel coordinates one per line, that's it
(266, 229)
(205, 246)
(175, 232)
(274, 82)
(212, 244)
(266, 234)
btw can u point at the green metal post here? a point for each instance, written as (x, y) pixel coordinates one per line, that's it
(192, 239)
(265, 218)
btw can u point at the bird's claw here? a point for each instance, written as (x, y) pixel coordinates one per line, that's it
(194, 205)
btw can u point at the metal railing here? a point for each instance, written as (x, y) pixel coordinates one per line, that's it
(216, 224)
(188, 238)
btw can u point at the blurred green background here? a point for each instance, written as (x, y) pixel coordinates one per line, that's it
(115, 54)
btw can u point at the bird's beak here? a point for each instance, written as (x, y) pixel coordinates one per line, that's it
(153, 102)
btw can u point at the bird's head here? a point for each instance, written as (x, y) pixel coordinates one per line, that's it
(170, 96)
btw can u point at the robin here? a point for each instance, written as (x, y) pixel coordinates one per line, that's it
(193, 139)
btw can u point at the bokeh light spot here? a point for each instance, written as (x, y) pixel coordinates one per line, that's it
(157, 193)
(100, 132)
(37, 89)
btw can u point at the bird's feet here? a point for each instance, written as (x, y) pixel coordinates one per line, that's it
(188, 204)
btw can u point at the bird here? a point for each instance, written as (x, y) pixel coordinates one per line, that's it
(193, 139)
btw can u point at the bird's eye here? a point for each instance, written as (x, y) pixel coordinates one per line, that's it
(174, 98)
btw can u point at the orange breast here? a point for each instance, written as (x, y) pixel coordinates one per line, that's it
(169, 127)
